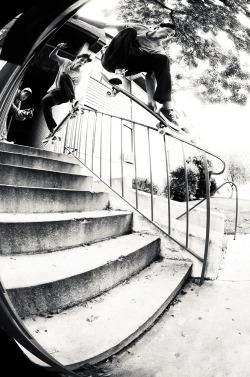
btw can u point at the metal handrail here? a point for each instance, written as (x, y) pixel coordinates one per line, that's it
(211, 194)
(149, 129)
(141, 213)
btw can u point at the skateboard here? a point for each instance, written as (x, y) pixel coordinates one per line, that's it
(163, 126)
(53, 138)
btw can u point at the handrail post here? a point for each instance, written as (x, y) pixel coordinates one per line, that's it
(86, 137)
(135, 159)
(236, 210)
(151, 179)
(101, 124)
(122, 172)
(205, 164)
(168, 185)
(110, 151)
(93, 141)
(187, 192)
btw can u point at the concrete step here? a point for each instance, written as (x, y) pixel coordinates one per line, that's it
(43, 200)
(41, 232)
(107, 324)
(38, 162)
(23, 176)
(45, 283)
(30, 151)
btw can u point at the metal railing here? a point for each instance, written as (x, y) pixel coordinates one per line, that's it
(104, 157)
(211, 194)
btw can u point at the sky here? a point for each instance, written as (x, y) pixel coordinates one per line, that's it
(94, 8)
(222, 128)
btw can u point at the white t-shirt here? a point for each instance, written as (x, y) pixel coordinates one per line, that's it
(64, 67)
(146, 44)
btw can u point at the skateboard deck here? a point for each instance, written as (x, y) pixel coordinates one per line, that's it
(163, 126)
(53, 138)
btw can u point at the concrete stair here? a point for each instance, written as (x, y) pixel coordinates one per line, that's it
(84, 283)
(106, 324)
(46, 232)
(44, 283)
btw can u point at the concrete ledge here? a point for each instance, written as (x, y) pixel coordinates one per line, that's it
(197, 216)
(196, 243)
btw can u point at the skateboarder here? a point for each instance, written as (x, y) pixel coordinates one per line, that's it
(138, 48)
(63, 89)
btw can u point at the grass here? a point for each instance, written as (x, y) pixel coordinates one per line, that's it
(227, 207)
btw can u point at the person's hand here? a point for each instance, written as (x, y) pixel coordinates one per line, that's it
(29, 112)
(62, 45)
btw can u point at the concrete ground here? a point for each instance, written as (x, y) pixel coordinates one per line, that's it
(205, 333)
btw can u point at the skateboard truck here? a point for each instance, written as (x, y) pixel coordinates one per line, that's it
(55, 139)
(75, 111)
(71, 150)
(161, 128)
(114, 81)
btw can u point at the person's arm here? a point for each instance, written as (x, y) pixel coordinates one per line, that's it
(54, 53)
(100, 24)
(17, 113)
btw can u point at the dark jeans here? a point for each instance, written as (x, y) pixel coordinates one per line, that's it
(56, 97)
(123, 52)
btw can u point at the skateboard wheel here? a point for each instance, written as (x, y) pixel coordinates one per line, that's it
(109, 94)
(160, 125)
(161, 131)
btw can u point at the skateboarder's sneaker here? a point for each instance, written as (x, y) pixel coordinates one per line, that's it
(169, 116)
(118, 77)
(6, 141)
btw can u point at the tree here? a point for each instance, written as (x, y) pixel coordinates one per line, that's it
(236, 171)
(211, 36)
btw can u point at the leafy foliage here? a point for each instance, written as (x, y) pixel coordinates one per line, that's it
(178, 185)
(211, 36)
(144, 184)
(201, 186)
(195, 178)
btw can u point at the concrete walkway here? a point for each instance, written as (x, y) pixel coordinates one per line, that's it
(205, 333)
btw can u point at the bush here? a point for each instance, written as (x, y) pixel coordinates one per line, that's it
(213, 186)
(196, 180)
(201, 188)
(178, 185)
(143, 184)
